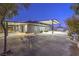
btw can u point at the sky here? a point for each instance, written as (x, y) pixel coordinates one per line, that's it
(45, 11)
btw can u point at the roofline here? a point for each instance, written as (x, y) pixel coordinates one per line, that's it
(38, 22)
(29, 22)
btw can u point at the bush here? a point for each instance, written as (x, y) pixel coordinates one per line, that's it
(69, 34)
(41, 31)
(46, 31)
(27, 32)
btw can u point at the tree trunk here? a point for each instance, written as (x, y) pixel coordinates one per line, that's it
(5, 37)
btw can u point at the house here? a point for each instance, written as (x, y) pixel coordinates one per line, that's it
(29, 26)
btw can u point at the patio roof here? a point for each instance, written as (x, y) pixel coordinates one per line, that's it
(50, 22)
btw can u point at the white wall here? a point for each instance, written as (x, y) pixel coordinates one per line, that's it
(25, 28)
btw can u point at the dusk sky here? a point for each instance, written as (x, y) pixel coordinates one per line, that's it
(45, 11)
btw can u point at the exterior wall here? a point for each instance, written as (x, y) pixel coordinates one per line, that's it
(22, 28)
(36, 29)
(25, 28)
(30, 28)
(1, 30)
(19, 28)
(15, 28)
(46, 28)
(10, 28)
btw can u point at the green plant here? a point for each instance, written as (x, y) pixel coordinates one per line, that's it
(41, 31)
(69, 34)
(7, 11)
(46, 31)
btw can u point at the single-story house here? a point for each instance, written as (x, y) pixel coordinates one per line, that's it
(29, 26)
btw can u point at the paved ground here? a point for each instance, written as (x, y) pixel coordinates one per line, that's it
(54, 45)
(43, 45)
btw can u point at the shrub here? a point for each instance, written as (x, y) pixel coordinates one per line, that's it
(41, 31)
(46, 31)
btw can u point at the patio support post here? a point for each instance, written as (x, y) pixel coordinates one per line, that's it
(52, 26)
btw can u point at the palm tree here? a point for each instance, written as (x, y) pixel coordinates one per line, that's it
(8, 10)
